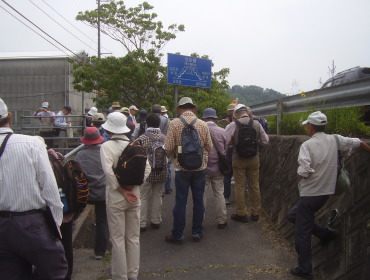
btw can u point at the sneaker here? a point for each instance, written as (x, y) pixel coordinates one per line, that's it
(332, 234)
(98, 258)
(197, 237)
(295, 272)
(170, 239)
(155, 226)
(255, 217)
(168, 191)
(242, 219)
(227, 202)
(332, 217)
(222, 226)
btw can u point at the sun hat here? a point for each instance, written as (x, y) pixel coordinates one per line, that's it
(3, 110)
(91, 136)
(163, 109)
(116, 123)
(231, 107)
(240, 106)
(133, 107)
(186, 100)
(209, 113)
(98, 117)
(125, 110)
(116, 105)
(45, 105)
(92, 111)
(316, 118)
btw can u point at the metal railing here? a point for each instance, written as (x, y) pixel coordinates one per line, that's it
(351, 94)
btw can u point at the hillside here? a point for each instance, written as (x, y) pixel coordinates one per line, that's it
(251, 95)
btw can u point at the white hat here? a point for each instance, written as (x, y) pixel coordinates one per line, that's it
(316, 118)
(92, 111)
(163, 109)
(3, 110)
(133, 107)
(116, 123)
(240, 106)
(45, 105)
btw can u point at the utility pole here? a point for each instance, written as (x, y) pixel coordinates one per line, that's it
(99, 52)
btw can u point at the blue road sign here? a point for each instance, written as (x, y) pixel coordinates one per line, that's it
(188, 71)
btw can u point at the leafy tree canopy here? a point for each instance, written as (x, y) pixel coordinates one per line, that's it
(251, 95)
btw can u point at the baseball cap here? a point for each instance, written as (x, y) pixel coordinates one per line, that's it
(125, 110)
(316, 118)
(116, 123)
(91, 136)
(98, 117)
(3, 110)
(240, 106)
(133, 107)
(68, 108)
(231, 107)
(45, 105)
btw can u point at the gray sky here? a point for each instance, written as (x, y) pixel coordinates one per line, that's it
(267, 43)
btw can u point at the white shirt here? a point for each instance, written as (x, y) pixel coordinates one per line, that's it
(27, 181)
(318, 163)
(61, 120)
(109, 154)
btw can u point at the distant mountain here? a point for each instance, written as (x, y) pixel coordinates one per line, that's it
(251, 95)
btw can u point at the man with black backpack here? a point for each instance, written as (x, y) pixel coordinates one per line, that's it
(247, 135)
(188, 141)
(153, 141)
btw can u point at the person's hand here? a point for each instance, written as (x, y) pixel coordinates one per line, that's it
(68, 124)
(129, 195)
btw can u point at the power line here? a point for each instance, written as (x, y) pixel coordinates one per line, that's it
(39, 28)
(33, 30)
(59, 24)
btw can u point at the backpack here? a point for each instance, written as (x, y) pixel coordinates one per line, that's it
(191, 156)
(156, 153)
(263, 123)
(247, 140)
(131, 164)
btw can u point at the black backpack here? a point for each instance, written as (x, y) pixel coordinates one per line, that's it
(247, 140)
(191, 156)
(156, 153)
(131, 164)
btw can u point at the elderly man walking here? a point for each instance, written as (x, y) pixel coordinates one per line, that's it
(185, 177)
(246, 162)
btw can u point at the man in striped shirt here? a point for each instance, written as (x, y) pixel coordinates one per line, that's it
(27, 187)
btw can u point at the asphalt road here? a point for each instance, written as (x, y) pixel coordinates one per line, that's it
(240, 251)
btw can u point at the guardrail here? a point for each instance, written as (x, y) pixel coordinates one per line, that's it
(351, 94)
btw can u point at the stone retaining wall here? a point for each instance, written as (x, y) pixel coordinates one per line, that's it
(348, 257)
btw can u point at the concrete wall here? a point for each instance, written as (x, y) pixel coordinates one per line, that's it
(348, 257)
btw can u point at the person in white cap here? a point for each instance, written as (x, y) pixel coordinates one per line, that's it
(123, 206)
(133, 110)
(88, 120)
(317, 169)
(246, 166)
(46, 118)
(28, 188)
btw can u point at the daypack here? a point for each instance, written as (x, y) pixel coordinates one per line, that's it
(156, 153)
(131, 164)
(72, 182)
(191, 155)
(263, 123)
(247, 140)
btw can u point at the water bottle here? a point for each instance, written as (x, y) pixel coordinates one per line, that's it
(63, 198)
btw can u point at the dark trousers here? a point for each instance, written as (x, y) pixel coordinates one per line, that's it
(101, 233)
(303, 216)
(227, 178)
(26, 241)
(66, 230)
(48, 142)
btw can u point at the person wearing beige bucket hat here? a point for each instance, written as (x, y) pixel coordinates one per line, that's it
(90, 162)
(123, 206)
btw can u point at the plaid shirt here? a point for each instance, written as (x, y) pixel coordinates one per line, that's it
(154, 176)
(173, 139)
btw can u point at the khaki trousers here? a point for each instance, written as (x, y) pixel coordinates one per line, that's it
(124, 228)
(154, 191)
(216, 183)
(247, 168)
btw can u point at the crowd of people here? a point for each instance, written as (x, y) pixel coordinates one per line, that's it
(188, 147)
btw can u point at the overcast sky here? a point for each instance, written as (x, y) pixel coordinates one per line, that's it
(268, 43)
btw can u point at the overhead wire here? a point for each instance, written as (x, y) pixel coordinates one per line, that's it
(34, 30)
(60, 25)
(40, 28)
